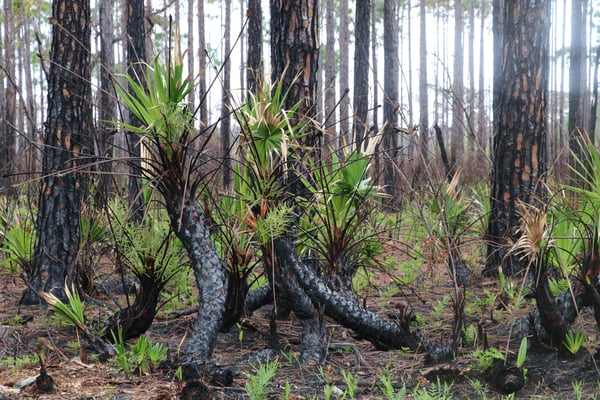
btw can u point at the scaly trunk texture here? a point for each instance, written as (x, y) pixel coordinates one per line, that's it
(520, 101)
(66, 142)
(189, 225)
(343, 307)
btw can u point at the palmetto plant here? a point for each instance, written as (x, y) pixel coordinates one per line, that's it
(338, 224)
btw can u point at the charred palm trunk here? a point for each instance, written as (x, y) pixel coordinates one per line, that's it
(235, 300)
(344, 307)
(289, 296)
(189, 225)
(137, 318)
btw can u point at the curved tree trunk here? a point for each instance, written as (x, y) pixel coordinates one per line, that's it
(344, 307)
(67, 134)
(189, 225)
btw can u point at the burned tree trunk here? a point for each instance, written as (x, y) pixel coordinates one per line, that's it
(189, 225)
(344, 307)
(66, 141)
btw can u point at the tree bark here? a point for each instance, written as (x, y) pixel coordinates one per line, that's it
(295, 53)
(225, 95)
(8, 132)
(457, 142)
(361, 70)
(519, 153)
(106, 112)
(136, 54)
(391, 104)
(345, 137)
(255, 70)
(344, 307)
(423, 89)
(330, 68)
(66, 143)
(577, 86)
(202, 95)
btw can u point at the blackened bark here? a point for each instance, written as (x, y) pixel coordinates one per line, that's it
(295, 53)
(189, 225)
(255, 70)
(66, 142)
(443, 154)
(519, 153)
(136, 54)
(137, 318)
(290, 296)
(361, 70)
(8, 133)
(344, 307)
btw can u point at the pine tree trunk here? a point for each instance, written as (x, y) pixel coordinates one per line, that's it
(423, 89)
(67, 134)
(457, 142)
(136, 53)
(255, 70)
(8, 133)
(361, 70)
(390, 87)
(345, 137)
(225, 96)
(202, 69)
(519, 153)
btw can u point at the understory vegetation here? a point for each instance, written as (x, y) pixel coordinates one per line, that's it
(309, 233)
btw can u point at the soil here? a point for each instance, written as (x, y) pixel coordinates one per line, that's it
(549, 374)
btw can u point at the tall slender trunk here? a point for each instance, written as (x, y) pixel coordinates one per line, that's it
(136, 53)
(202, 70)
(329, 91)
(471, 93)
(106, 110)
(391, 105)
(8, 133)
(190, 47)
(374, 123)
(345, 136)
(255, 69)
(482, 135)
(577, 83)
(361, 71)
(423, 89)
(457, 143)
(225, 98)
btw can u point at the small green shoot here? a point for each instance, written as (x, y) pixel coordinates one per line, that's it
(351, 385)
(256, 384)
(387, 386)
(487, 357)
(522, 355)
(573, 341)
(577, 389)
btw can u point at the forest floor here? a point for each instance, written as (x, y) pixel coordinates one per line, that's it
(550, 375)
